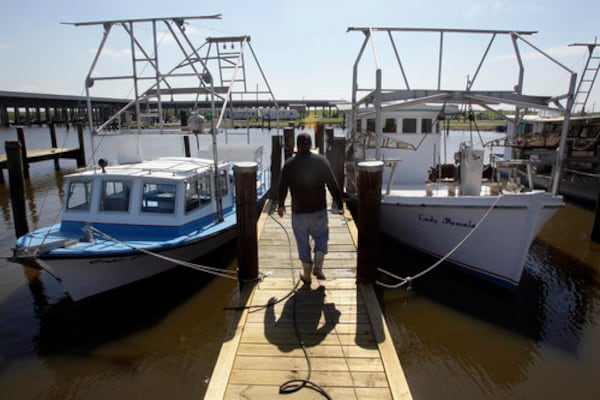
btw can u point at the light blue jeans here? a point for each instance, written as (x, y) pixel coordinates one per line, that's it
(313, 225)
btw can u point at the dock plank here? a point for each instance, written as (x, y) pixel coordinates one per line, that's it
(337, 322)
(44, 154)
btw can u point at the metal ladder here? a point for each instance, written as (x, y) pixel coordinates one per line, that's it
(230, 59)
(588, 77)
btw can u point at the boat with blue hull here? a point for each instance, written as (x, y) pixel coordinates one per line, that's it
(128, 219)
(124, 223)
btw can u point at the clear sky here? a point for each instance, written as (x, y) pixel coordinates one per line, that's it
(302, 46)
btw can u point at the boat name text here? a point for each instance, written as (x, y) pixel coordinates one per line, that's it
(446, 221)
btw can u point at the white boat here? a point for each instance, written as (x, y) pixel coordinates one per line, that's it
(127, 220)
(537, 140)
(433, 214)
(483, 226)
(124, 223)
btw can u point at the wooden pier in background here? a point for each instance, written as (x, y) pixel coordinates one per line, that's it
(339, 320)
(54, 153)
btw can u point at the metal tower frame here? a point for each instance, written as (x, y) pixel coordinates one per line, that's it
(389, 99)
(159, 86)
(588, 77)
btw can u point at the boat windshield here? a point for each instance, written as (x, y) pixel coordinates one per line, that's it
(198, 193)
(158, 198)
(115, 195)
(79, 195)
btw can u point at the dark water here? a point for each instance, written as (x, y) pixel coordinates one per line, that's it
(457, 337)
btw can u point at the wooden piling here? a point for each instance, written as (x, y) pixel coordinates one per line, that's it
(288, 142)
(328, 141)
(275, 166)
(81, 154)
(186, 145)
(369, 211)
(329, 144)
(183, 117)
(54, 143)
(25, 161)
(247, 215)
(338, 158)
(595, 236)
(320, 137)
(15, 157)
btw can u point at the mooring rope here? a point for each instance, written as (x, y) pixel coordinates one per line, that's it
(408, 280)
(573, 171)
(202, 268)
(292, 385)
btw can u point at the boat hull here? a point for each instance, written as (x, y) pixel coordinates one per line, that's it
(497, 248)
(84, 277)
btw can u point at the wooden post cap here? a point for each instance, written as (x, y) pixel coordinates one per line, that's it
(370, 166)
(245, 166)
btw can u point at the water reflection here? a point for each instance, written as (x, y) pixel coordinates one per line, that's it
(158, 338)
(480, 340)
(5, 203)
(77, 328)
(568, 299)
(44, 197)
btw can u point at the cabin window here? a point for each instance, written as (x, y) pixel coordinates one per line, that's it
(222, 183)
(78, 197)
(525, 128)
(197, 193)
(389, 125)
(370, 125)
(115, 195)
(426, 125)
(550, 128)
(528, 128)
(409, 125)
(158, 198)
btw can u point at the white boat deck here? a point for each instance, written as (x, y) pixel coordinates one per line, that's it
(443, 189)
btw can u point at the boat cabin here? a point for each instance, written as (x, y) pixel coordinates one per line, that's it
(171, 192)
(409, 142)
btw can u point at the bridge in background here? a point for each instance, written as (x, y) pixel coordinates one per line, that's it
(22, 108)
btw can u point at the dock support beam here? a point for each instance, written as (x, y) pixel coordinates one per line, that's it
(246, 211)
(14, 160)
(369, 210)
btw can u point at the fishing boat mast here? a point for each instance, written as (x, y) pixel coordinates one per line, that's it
(393, 99)
(189, 79)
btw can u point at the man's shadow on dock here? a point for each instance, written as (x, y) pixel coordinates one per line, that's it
(305, 319)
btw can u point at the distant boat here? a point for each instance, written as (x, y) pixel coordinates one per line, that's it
(537, 140)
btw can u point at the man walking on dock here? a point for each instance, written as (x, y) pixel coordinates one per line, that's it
(306, 175)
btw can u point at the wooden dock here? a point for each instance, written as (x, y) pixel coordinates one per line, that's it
(54, 153)
(45, 154)
(337, 322)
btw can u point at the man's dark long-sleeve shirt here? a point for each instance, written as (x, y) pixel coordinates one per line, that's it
(306, 175)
